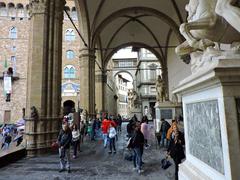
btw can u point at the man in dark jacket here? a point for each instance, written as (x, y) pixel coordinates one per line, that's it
(164, 128)
(137, 145)
(175, 149)
(64, 141)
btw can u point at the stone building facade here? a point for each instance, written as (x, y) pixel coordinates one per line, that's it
(148, 69)
(14, 45)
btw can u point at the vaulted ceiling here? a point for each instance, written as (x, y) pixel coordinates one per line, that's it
(113, 24)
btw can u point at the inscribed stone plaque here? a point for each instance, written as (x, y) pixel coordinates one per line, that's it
(166, 113)
(205, 134)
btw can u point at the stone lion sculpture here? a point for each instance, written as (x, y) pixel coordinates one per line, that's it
(209, 21)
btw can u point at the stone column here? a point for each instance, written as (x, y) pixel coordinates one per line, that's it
(87, 80)
(44, 73)
(101, 78)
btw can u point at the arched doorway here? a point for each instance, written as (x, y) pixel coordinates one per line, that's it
(68, 107)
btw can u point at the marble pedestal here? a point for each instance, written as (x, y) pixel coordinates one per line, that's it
(211, 109)
(40, 134)
(166, 110)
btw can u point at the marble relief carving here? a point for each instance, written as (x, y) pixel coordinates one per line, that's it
(204, 133)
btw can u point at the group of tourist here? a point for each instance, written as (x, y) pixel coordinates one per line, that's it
(8, 135)
(170, 138)
(138, 133)
(70, 134)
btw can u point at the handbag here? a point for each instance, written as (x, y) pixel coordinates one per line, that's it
(54, 146)
(165, 163)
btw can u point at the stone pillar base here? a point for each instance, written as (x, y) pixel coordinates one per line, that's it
(189, 172)
(211, 108)
(40, 134)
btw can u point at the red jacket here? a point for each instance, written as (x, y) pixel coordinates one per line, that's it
(105, 126)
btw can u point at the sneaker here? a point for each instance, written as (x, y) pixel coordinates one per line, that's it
(114, 152)
(61, 170)
(110, 152)
(69, 171)
(134, 169)
(74, 157)
(140, 171)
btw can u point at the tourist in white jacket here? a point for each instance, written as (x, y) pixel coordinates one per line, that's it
(112, 134)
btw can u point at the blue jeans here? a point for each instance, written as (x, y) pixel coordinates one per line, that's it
(163, 137)
(105, 139)
(137, 158)
(64, 163)
(112, 144)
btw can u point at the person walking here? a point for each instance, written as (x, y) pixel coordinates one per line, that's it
(7, 141)
(82, 131)
(64, 141)
(105, 126)
(175, 149)
(112, 136)
(164, 128)
(75, 139)
(137, 146)
(145, 130)
(119, 123)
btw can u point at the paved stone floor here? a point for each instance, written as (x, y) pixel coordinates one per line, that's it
(93, 163)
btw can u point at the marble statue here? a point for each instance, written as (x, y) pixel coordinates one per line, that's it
(135, 99)
(209, 22)
(130, 99)
(161, 89)
(34, 113)
(174, 98)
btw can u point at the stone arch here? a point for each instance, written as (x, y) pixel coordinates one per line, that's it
(136, 44)
(2, 5)
(145, 10)
(11, 5)
(142, 45)
(123, 71)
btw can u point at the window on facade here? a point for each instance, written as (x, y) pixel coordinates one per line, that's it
(68, 10)
(74, 13)
(70, 54)
(3, 9)
(69, 72)
(70, 35)
(153, 71)
(14, 48)
(20, 10)
(125, 63)
(13, 33)
(13, 58)
(11, 10)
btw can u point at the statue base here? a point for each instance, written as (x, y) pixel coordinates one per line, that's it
(166, 110)
(211, 108)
